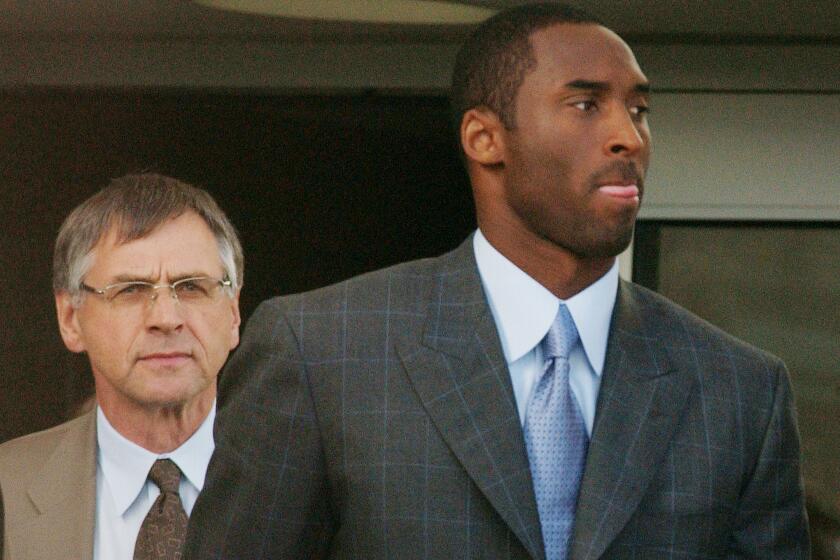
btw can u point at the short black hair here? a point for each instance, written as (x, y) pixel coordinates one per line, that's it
(492, 63)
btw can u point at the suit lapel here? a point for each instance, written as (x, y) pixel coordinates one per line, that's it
(640, 403)
(461, 376)
(64, 492)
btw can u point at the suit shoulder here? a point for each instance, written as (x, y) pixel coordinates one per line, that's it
(673, 320)
(404, 281)
(361, 305)
(21, 456)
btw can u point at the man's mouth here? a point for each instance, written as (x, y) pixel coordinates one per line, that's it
(165, 358)
(620, 191)
(620, 180)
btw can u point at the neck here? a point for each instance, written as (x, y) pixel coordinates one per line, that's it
(557, 269)
(562, 272)
(159, 429)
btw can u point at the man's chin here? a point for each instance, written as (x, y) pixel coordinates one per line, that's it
(171, 394)
(162, 401)
(608, 246)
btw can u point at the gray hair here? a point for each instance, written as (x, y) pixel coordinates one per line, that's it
(136, 205)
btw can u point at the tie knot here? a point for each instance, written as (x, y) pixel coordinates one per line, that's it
(562, 335)
(166, 475)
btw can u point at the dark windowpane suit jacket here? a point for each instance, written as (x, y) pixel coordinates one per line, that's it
(376, 419)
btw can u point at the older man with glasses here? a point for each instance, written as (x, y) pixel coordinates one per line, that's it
(146, 276)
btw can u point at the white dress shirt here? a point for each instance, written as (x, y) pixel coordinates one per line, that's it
(524, 310)
(123, 493)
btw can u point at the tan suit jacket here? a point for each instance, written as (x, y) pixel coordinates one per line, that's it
(48, 480)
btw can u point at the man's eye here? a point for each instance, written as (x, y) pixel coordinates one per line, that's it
(585, 106)
(640, 110)
(130, 290)
(197, 287)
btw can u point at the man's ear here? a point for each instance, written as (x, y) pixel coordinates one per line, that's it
(237, 320)
(68, 322)
(482, 136)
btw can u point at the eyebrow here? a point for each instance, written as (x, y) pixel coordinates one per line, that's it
(588, 85)
(172, 279)
(119, 278)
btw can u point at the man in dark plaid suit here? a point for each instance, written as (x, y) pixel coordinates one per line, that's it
(383, 417)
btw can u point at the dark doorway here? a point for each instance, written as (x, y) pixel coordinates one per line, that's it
(321, 187)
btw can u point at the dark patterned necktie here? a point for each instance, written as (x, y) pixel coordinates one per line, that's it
(162, 533)
(556, 439)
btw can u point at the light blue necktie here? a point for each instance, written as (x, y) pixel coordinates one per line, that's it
(556, 438)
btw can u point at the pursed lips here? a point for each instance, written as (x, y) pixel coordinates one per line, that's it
(165, 358)
(621, 191)
(621, 181)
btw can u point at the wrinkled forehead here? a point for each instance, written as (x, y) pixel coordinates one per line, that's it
(584, 51)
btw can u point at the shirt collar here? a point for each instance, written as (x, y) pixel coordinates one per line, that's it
(524, 309)
(125, 465)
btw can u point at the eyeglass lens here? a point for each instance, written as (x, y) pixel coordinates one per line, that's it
(188, 290)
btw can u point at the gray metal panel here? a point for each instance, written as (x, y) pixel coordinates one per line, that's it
(738, 156)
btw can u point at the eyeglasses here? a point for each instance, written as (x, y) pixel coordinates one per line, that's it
(190, 291)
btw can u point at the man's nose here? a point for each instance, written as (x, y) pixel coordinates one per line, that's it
(165, 312)
(625, 134)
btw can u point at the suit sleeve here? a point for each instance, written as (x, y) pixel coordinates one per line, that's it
(771, 521)
(265, 491)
